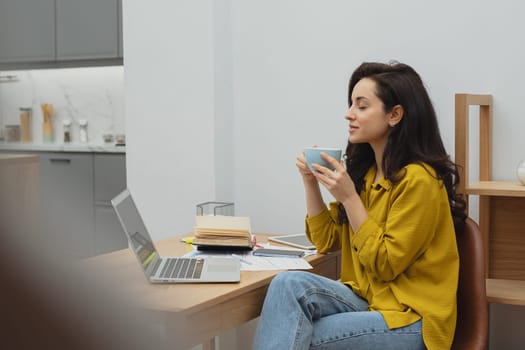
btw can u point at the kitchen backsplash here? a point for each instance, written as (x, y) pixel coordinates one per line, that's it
(95, 94)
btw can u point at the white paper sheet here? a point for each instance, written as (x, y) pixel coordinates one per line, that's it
(260, 263)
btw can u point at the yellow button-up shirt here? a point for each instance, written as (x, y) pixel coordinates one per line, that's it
(403, 259)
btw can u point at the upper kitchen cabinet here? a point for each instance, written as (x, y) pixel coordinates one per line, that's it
(87, 29)
(60, 33)
(27, 30)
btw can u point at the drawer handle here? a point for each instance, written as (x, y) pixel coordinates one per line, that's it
(60, 160)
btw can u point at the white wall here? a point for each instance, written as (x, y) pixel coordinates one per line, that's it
(224, 97)
(209, 91)
(169, 79)
(221, 96)
(292, 64)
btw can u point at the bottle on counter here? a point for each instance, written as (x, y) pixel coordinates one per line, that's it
(83, 130)
(47, 125)
(25, 124)
(67, 130)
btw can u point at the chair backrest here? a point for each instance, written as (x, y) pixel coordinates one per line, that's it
(472, 320)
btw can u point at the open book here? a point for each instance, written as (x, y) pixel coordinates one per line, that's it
(223, 232)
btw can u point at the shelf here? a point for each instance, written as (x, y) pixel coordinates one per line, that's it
(505, 291)
(501, 205)
(496, 188)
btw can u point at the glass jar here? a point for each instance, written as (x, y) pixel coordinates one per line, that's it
(25, 124)
(47, 125)
(216, 208)
(13, 133)
(520, 172)
(120, 139)
(67, 130)
(83, 130)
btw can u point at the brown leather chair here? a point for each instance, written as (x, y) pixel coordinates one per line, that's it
(472, 320)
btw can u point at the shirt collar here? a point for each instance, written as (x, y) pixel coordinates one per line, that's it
(369, 180)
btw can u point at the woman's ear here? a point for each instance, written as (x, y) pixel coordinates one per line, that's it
(396, 115)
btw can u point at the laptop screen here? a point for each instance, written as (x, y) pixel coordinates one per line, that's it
(138, 236)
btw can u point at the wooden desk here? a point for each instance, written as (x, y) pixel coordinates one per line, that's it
(195, 313)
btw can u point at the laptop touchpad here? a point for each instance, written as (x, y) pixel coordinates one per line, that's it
(219, 268)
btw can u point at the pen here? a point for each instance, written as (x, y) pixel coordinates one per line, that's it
(241, 259)
(254, 239)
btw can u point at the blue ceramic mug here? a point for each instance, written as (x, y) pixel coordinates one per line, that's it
(313, 155)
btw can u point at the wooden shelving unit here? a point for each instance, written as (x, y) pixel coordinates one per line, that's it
(496, 188)
(501, 206)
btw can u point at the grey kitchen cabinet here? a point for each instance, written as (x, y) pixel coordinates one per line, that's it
(109, 235)
(60, 33)
(27, 30)
(66, 207)
(76, 189)
(109, 180)
(120, 31)
(87, 29)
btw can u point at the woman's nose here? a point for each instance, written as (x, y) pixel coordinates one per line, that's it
(349, 114)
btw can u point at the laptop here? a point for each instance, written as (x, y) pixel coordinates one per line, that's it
(160, 269)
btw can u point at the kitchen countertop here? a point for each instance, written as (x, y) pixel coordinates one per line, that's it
(57, 147)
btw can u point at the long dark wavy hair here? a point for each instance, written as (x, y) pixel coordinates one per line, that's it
(415, 139)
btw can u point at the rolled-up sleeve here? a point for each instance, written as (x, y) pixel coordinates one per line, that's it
(323, 230)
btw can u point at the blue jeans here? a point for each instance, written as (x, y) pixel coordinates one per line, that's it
(306, 311)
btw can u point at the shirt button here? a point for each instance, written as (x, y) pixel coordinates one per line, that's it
(355, 248)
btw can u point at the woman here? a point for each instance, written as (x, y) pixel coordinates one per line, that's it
(393, 220)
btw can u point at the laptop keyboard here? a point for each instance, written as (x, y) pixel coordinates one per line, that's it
(188, 268)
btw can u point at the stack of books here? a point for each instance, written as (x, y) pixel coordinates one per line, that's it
(222, 232)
